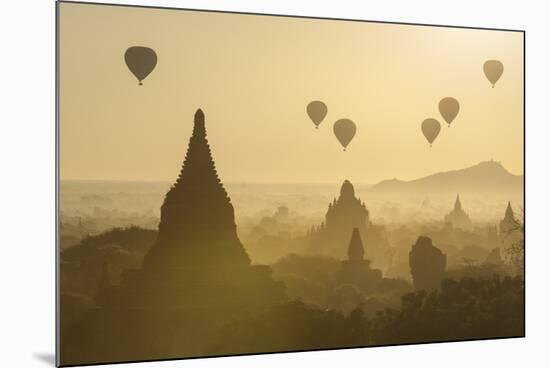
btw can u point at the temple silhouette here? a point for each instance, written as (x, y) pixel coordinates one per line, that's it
(343, 216)
(427, 264)
(197, 223)
(356, 270)
(458, 217)
(195, 278)
(509, 228)
(509, 222)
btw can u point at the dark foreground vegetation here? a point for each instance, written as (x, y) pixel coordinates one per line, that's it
(462, 310)
(318, 312)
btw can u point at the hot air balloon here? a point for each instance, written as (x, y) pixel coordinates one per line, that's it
(431, 128)
(493, 70)
(316, 111)
(448, 108)
(141, 61)
(344, 130)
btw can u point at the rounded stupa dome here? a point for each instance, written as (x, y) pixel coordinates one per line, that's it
(347, 189)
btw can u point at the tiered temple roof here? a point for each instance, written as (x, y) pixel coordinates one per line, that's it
(345, 214)
(347, 210)
(509, 222)
(195, 278)
(197, 225)
(458, 217)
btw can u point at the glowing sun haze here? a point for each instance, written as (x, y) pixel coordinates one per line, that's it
(253, 77)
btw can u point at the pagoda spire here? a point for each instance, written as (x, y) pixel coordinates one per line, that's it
(458, 205)
(509, 214)
(347, 191)
(356, 251)
(198, 161)
(199, 129)
(197, 223)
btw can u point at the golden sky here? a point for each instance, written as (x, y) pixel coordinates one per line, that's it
(253, 77)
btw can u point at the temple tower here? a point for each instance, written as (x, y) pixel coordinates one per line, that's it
(458, 205)
(356, 270)
(346, 215)
(356, 251)
(458, 217)
(197, 225)
(509, 222)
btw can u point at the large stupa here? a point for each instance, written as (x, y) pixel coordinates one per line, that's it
(194, 280)
(197, 222)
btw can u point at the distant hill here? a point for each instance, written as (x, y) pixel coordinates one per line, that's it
(487, 176)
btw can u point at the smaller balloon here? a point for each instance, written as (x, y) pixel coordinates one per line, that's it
(448, 108)
(493, 71)
(317, 110)
(430, 129)
(344, 130)
(141, 61)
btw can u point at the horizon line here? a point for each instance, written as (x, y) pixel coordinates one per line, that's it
(168, 181)
(240, 181)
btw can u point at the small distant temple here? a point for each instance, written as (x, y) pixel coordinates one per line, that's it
(356, 252)
(509, 222)
(347, 210)
(356, 270)
(346, 214)
(458, 217)
(509, 228)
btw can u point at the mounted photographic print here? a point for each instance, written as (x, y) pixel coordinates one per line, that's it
(235, 183)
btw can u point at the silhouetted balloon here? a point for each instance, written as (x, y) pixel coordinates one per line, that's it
(344, 130)
(448, 107)
(141, 61)
(316, 111)
(493, 70)
(431, 128)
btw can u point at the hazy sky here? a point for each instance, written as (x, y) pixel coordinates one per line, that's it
(253, 77)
